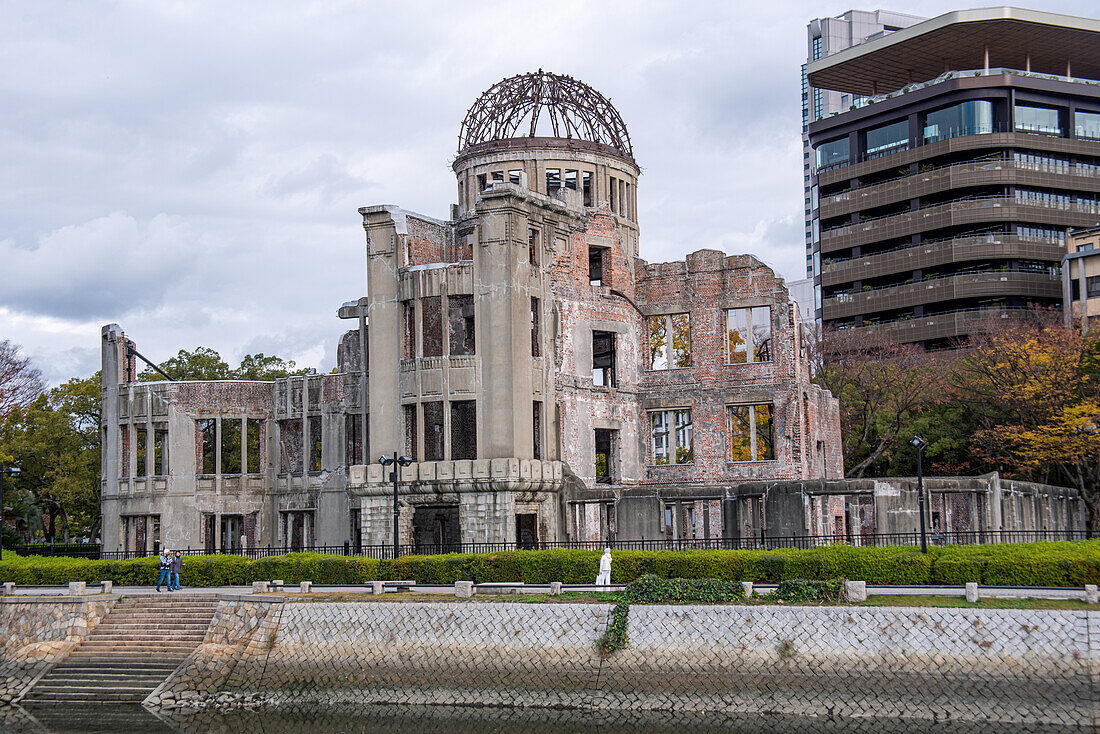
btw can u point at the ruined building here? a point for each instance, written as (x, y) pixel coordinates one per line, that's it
(547, 383)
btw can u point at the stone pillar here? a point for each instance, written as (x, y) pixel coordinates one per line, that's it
(856, 591)
(465, 589)
(972, 592)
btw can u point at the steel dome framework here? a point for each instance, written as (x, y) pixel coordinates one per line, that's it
(512, 108)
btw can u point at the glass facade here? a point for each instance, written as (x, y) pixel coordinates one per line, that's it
(833, 152)
(966, 118)
(1037, 119)
(888, 137)
(1087, 125)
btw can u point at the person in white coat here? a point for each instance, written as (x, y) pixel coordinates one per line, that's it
(604, 579)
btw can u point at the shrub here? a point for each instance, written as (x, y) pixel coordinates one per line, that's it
(1024, 564)
(798, 591)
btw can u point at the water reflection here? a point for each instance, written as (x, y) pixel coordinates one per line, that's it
(377, 719)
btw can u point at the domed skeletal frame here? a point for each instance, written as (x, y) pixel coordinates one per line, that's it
(575, 110)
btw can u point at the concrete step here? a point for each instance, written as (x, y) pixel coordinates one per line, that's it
(94, 718)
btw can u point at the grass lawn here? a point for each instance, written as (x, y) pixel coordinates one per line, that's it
(959, 601)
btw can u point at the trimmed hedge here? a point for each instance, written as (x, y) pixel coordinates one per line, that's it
(1024, 564)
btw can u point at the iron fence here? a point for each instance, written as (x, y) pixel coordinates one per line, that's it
(935, 538)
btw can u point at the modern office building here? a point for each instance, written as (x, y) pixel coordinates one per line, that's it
(826, 36)
(942, 198)
(1081, 278)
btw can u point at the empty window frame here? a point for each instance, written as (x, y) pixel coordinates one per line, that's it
(751, 432)
(586, 187)
(355, 446)
(410, 430)
(553, 180)
(605, 441)
(160, 450)
(533, 245)
(460, 319)
(570, 180)
(140, 451)
(612, 190)
(254, 429)
(315, 443)
(536, 349)
(603, 358)
(669, 341)
(597, 265)
(463, 429)
(672, 437)
(408, 347)
(536, 429)
(431, 327)
(231, 446)
(514, 176)
(498, 176)
(749, 335)
(290, 446)
(434, 447)
(205, 430)
(482, 182)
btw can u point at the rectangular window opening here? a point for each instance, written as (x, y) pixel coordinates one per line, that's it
(533, 245)
(463, 429)
(461, 324)
(410, 431)
(432, 326)
(408, 350)
(160, 450)
(254, 430)
(315, 443)
(536, 429)
(597, 265)
(140, 453)
(553, 180)
(231, 446)
(514, 177)
(433, 431)
(207, 456)
(672, 437)
(605, 441)
(353, 433)
(536, 350)
(603, 358)
(586, 187)
(571, 179)
(748, 335)
(669, 341)
(290, 446)
(751, 433)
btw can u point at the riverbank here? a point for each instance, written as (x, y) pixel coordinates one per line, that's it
(1009, 666)
(1018, 667)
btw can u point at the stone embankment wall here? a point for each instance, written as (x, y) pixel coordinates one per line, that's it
(37, 632)
(1011, 666)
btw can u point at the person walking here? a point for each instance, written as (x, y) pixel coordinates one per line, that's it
(177, 568)
(165, 570)
(604, 577)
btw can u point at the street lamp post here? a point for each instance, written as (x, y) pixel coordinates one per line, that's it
(919, 443)
(10, 471)
(396, 461)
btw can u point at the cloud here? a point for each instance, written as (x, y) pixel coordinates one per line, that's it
(191, 170)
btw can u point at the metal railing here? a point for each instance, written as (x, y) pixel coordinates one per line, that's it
(385, 551)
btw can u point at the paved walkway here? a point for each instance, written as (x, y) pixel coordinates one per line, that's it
(1000, 592)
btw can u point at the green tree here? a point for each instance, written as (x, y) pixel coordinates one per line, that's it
(260, 366)
(201, 364)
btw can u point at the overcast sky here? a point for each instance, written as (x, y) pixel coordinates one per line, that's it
(192, 170)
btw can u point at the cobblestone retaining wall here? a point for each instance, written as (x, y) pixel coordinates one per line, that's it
(1037, 668)
(37, 632)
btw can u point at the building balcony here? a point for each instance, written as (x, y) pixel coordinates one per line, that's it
(982, 141)
(965, 212)
(943, 325)
(946, 178)
(936, 254)
(947, 288)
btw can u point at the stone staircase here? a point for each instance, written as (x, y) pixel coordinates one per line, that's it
(132, 650)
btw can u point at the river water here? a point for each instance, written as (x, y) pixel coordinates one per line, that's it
(378, 719)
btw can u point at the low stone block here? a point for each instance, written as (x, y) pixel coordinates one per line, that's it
(9, 587)
(108, 587)
(972, 592)
(306, 587)
(1092, 594)
(555, 588)
(376, 588)
(748, 589)
(260, 587)
(77, 588)
(464, 589)
(277, 583)
(857, 591)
